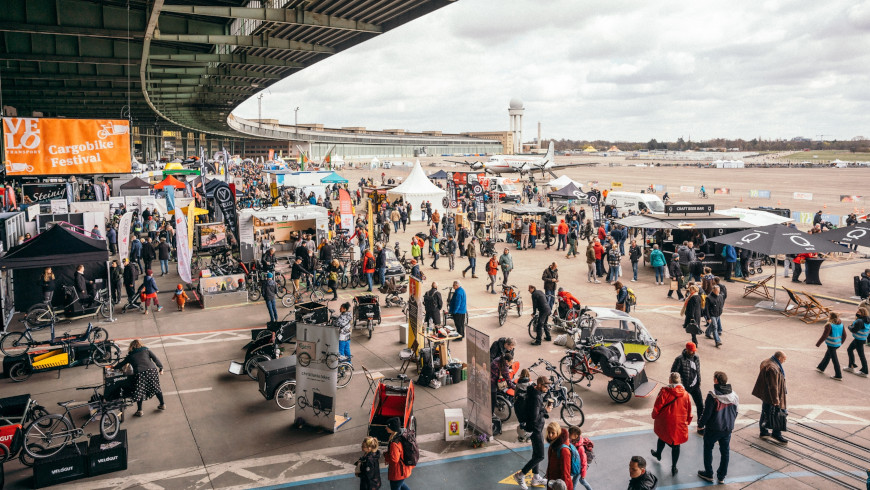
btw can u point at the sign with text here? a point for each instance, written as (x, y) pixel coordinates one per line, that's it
(46, 146)
(805, 196)
(615, 184)
(759, 194)
(851, 198)
(42, 193)
(721, 190)
(689, 208)
(479, 405)
(687, 188)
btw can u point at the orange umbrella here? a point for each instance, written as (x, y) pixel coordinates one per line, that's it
(170, 181)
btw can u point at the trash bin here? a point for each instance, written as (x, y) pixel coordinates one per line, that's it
(455, 371)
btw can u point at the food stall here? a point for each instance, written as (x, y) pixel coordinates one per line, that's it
(273, 227)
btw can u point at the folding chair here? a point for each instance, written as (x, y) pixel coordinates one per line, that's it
(373, 379)
(759, 288)
(815, 310)
(408, 356)
(795, 302)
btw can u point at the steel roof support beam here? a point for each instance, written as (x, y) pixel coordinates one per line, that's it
(68, 31)
(279, 16)
(199, 81)
(235, 59)
(245, 41)
(213, 72)
(52, 58)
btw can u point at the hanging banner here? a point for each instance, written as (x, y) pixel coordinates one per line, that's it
(415, 312)
(42, 193)
(345, 210)
(759, 194)
(851, 198)
(806, 196)
(170, 197)
(226, 201)
(182, 248)
(479, 206)
(596, 207)
(271, 154)
(479, 402)
(687, 188)
(370, 228)
(721, 190)
(124, 235)
(451, 193)
(191, 217)
(46, 146)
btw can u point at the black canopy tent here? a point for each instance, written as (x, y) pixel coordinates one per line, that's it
(440, 175)
(62, 250)
(568, 193)
(135, 183)
(858, 234)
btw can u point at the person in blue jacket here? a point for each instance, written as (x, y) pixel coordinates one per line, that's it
(730, 255)
(458, 308)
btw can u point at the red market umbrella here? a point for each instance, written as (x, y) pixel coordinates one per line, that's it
(170, 181)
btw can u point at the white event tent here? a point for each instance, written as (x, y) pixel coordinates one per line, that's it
(755, 217)
(562, 181)
(417, 188)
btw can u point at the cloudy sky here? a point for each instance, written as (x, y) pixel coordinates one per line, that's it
(614, 70)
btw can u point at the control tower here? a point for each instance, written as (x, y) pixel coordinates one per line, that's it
(515, 111)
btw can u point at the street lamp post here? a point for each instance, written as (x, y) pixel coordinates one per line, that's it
(296, 120)
(260, 111)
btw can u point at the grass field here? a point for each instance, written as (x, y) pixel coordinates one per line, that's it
(827, 156)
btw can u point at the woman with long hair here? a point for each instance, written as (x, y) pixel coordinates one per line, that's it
(146, 368)
(48, 286)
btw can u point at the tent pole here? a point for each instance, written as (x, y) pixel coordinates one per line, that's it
(109, 290)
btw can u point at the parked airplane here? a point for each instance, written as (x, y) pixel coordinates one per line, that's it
(523, 164)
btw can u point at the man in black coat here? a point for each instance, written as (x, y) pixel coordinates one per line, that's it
(864, 284)
(541, 306)
(536, 412)
(381, 264)
(433, 303)
(148, 253)
(131, 275)
(689, 366)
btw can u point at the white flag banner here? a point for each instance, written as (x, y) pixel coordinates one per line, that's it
(182, 247)
(124, 235)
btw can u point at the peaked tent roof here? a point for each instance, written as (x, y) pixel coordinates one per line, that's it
(136, 183)
(55, 247)
(417, 184)
(440, 175)
(333, 178)
(562, 182)
(172, 181)
(570, 191)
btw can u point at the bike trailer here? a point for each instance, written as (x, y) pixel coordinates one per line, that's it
(365, 304)
(321, 312)
(272, 373)
(391, 401)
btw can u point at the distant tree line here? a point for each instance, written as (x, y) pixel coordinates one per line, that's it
(755, 144)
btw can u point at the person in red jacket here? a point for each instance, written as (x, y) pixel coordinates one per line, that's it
(559, 455)
(599, 258)
(369, 267)
(397, 471)
(672, 414)
(576, 436)
(562, 231)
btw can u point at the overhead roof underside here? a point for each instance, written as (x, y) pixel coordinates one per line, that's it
(174, 63)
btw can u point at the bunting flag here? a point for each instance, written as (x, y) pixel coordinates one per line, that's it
(345, 208)
(182, 246)
(124, 235)
(170, 197)
(191, 216)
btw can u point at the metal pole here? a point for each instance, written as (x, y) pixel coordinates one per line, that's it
(260, 111)
(109, 290)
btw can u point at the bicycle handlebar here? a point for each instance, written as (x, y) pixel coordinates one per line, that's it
(82, 388)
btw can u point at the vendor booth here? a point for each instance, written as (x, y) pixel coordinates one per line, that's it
(134, 187)
(568, 193)
(417, 189)
(62, 250)
(561, 182)
(260, 230)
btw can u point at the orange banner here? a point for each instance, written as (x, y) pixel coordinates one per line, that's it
(44, 146)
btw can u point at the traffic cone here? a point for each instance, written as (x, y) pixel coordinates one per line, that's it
(779, 203)
(824, 206)
(741, 199)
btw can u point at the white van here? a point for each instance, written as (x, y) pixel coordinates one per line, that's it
(635, 201)
(507, 189)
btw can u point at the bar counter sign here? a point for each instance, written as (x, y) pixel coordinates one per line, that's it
(689, 208)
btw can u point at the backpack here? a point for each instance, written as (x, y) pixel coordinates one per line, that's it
(520, 407)
(632, 298)
(588, 446)
(575, 459)
(410, 450)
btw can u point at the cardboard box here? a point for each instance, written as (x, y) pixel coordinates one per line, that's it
(454, 424)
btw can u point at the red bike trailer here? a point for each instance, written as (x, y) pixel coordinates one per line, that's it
(392, 401)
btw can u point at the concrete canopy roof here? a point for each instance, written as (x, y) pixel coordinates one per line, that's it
(174, 64)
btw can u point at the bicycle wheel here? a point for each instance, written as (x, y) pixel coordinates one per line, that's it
(253, 292)
(345, 373)
(280, 280)
(98, 335)
(572, 414)
(288, 300)
(619, 390)
(502, 314)
(570, 367)
(103, 311)
(20, 372)
(25, 458)
(343, 282)
(285, 395)
(354, 281)
(109, 425)
(4, 453)
(38, 315)
(304, 359)
(45, 438)
(652, 353)
(282, 291)
(251, 367)
(371, 328)
(503, 408)
(37, 412)
(519, 307)
(14, 344)
(317, 295)
(105, 354)
(532, 333)
(324, 285)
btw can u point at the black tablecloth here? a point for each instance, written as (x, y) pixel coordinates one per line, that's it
(812, 272)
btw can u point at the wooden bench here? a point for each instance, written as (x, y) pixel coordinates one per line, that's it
(759, 288)
(795, 303)
(816, 311)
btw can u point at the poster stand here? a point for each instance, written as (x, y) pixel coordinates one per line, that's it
(315, 381)
(479, 402)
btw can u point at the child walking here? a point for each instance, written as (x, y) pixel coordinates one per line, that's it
(180, 297)
(577, 439)
(368, 467)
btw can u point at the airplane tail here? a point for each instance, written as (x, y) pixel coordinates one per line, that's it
(550, 156)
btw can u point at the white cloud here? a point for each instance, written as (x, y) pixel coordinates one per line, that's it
(621, 70)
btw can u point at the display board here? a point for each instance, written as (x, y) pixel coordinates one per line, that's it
(316, 383)
(479, 407)
(43, 193)
(212, 235)
(46, 146)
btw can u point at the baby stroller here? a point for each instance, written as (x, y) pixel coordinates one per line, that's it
(393, 291)
(134, 303)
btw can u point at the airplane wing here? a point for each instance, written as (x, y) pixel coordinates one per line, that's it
(578, 164)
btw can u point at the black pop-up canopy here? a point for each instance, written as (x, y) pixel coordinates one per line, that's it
(62, 250)
(569, 193)
(136, 183)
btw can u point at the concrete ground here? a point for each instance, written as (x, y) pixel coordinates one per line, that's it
(219, 432)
